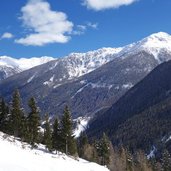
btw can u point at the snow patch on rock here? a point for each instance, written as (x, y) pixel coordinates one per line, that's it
(81, 125)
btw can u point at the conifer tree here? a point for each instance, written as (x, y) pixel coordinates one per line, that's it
(33, 122)
(82, 144)
(166, 161)
(68, 141)
(16, 114)
(103, 150)
(47, 138)
(56, 139)
(4, 111)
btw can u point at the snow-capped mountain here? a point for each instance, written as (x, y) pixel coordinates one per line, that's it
(78, 64)
(10, 66)
(89, 81)
(75, 64)
(19, 156)
(157, 44)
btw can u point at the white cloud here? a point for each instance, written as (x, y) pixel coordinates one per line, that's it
(106, 4)
(7, 35)
(46, 26)
(92, 25)
(81, 29)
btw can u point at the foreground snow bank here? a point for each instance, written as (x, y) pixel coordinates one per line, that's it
(17, 156)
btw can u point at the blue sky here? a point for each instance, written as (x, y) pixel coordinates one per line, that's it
(59, 27)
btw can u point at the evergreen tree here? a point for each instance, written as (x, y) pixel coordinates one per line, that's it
(56, 138)
(82, 144)
(4, 111)
(33, 122)
(166, 161)
(24, 134)
(47, 138)
(16, 114)
(68, 141)
(104, 150)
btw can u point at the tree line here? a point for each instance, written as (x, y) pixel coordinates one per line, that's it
(57, 135)
(27, 126)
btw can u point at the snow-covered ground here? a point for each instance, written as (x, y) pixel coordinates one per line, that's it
(81, 125)
(17, 156)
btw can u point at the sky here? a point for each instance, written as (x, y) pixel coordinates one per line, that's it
(34, 28)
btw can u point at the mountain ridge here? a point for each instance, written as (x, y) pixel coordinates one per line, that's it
(155, 44)
(105, 75)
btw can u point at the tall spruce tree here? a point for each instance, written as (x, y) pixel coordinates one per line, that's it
(16, 114)
(33, 122)
(104, 150)
(47, 138)
(24, 129)
(68, 141)
(4, 111)
(56, 136)
(82, 144)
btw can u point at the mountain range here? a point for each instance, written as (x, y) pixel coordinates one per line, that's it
(10, 66)
(89, 82)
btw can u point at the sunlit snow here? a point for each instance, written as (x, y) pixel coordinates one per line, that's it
(17, 156)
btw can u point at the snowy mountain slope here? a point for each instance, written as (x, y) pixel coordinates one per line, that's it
(17, 156)
(86, 94)
(89, 81)
(77, 64)
(157, 44)
(10, 66)
(73, 65)
(82, 63)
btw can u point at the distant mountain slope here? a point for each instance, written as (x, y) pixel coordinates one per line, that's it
(78, 64)
(71, 66)
(146, 103)
(100, 88)
(90, 81)
(10, 66)
(19, 156)
(86, 95)
(148, 129)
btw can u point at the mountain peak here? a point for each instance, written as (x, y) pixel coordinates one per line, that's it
(155, 44)
(160, 35)
(158, 38)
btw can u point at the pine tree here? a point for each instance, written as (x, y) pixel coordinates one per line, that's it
(4, 111)
(33, 122)
(47, 138)
(68, 141)
(103, 150)
(166, 161)
(16, 114)
(56, 138)
(24, 134)
(82, 144)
